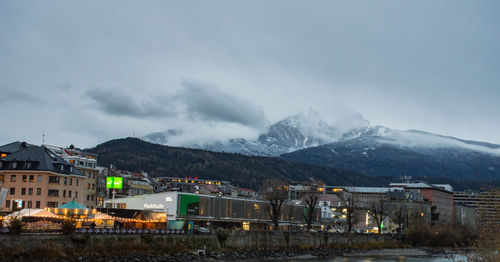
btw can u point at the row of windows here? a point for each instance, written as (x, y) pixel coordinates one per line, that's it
(26, 178)
(28, 204)
(51, 192)
(66, 180)
(12, 191)
(90, 197)
(91, 174)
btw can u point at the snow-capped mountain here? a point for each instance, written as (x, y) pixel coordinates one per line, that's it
(353, 143)
(308, 129)
(304, 130)
(382, 151)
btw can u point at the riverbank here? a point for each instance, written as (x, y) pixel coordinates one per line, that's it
(264, 255)
(211, 247)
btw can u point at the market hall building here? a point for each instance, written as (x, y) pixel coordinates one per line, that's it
(215, 210)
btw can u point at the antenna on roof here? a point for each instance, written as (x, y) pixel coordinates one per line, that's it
(43, 137)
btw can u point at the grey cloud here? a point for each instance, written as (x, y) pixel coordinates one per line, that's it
(115, 102)
(15, 96)
(208, 103)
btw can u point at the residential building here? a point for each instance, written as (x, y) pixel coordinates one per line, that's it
(36, 177)
(85, 162)
(133, 183)
(485, 203)
(101, 191)
(465, 215)
(440, 197)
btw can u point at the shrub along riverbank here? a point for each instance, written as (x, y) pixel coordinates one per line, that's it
(182, 247)
(224, 245)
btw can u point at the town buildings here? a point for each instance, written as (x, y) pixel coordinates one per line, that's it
(36, 177)
(485, 203)
(439, 196)
(86, 163)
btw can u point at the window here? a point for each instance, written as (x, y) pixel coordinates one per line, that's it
(88, 197)
(71, 181)
(38, 191)
(54, 179)
(23, 191)
(1, 176)
(32, 178)
(39, 179)
(30, 191)
(25, 178)
(53, 192)
(37, 204)
(88, 186)
(93, 186)
(64, 193)
(7, 203)
(89, 175)
(12, 178)
(77, 182)
(28, 165)
(14, 165)
(76, 194)
(93, 174)
(69, 193)
(92, 198)
(51, 204)
(30, 204)
(65, 180)
(12, 191)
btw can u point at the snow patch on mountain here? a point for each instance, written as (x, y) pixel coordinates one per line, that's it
(309, 129)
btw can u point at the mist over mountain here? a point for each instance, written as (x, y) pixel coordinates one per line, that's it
(247, 171)
(353, 143)
(303, 130)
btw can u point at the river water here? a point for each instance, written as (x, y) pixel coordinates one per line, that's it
(437, 258)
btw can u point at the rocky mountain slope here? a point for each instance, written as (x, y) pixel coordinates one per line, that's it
(246, 171)
(353, 143)
(382, 151)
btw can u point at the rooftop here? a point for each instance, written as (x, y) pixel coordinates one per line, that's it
(31, 157)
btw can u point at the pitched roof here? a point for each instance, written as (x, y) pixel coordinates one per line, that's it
(12, 147)
(42, 158)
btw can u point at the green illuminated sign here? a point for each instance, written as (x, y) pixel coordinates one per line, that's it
(114, 182)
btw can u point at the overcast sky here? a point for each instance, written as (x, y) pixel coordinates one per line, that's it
(84, 72)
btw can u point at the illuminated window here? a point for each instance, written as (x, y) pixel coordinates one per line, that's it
(3, 155)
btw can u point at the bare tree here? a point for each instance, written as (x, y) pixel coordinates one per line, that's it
(311, 200)
(399, 215)
(276, 194)
(379, 210)
(351, 207)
